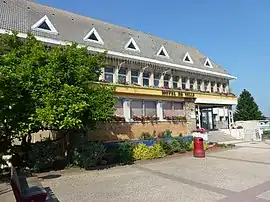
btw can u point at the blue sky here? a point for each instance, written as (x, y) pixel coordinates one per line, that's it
(234, 33)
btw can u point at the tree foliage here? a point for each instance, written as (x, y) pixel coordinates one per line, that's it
(49, 87)
(247, 109)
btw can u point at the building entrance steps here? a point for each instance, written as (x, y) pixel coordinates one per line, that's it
(219, 136)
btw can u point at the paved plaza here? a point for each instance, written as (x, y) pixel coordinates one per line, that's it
(240, 174)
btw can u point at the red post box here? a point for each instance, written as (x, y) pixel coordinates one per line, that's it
(198, 148)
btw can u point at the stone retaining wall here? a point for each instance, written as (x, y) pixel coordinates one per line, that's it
(116, 131)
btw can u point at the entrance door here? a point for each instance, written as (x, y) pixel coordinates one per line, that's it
(207, 119)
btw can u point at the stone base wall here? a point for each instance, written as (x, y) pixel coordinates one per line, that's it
(128, 131)
(189, 108)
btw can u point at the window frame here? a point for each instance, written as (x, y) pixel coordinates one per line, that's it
(184, 83)
(166, 80)
(148, 78)
(206, 83)
(176, 82)
(136, 77)
(191, 81)
(122, 75)
(159, 75)
(199, 84)
(48, 22)
(132, 41)
(109, 73)
(93, 31)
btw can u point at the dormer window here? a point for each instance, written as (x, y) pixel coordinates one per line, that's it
(187, 58)
(208, 63)
(44, 25)
(131, 45)
(162, 52)
(93, 36)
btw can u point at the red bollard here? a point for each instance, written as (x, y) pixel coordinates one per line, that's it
(198, 150)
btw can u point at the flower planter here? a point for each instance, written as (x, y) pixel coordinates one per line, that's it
(146, 142)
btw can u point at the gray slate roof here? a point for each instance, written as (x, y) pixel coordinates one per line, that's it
(20, 15)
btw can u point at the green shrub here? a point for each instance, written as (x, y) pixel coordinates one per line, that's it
(177, 146)
(166, 147)
(41, 156)
(166, 134)
(142, 152)
(266, 132)
(157, 151)
(89, 154)
(125, 153)
(146, 136)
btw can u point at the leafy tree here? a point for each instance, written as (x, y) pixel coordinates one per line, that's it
(247, 109)
(49, 87)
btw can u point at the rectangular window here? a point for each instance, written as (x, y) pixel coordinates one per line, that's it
(224, 88)
(150, 108)
(134, 76)
(167, 109)
(191, 84)
(184, 81)
(136, 107)
(173, 109)
(199, 84)
(156, 80)
(119, 111)
(122, 75)
(212, 87)
(178, 109)
(146, 76)
(218, 87)
(175, 82)
(108, 74)
(166, 80)
(206, 85)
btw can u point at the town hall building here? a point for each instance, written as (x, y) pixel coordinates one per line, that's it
(160, 84)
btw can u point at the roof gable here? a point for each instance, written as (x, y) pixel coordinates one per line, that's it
(73, 28)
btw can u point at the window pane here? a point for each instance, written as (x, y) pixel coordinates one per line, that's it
(205, 85)
(156, 82)
(134, 73)
(145, 82)
(191, 84)
(167, 77)
(134, 79)
(136, 108)
(167, 109)
(178, 109)
(109, 77)
(157, 76)
(150, 108)
(109, 69)
(122, 71)
(183, 85)
(119, 108)
(175, 85)
(122, 78)
(166, 84)
(176, 78)
(146, 74)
